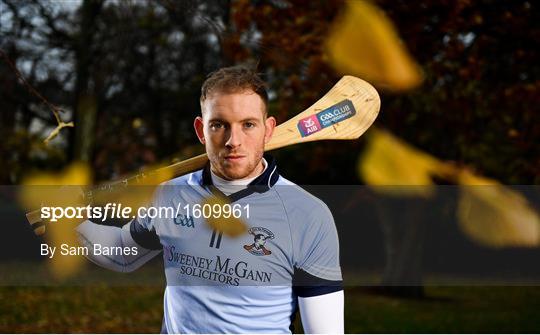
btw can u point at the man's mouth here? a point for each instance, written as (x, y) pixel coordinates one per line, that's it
(234, 158)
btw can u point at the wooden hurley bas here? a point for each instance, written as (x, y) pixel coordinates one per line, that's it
(344, 113)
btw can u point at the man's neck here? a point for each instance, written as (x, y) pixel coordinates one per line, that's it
(232, 186)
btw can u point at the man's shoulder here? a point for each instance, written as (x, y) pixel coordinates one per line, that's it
(170, 188)
(190, 179)
(298, 200)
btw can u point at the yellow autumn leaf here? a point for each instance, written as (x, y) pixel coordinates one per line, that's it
(466, 177)
(363, 42)
(223, 219)
(61, 190)
(388, 161)
(488, 212)
(494, 215)
(55, 189)
(61, 234)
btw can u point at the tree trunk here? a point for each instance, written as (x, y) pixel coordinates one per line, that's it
(85, 104)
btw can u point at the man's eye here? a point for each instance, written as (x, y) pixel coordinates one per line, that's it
(216, 125)
(249, 125)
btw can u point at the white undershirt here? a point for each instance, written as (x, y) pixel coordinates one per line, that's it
(232, 186)
(323, 314)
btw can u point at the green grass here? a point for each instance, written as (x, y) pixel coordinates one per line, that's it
(103, 309)
(475, 309)
(97, 309)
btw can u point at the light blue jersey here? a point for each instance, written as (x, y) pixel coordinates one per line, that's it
(248, 284)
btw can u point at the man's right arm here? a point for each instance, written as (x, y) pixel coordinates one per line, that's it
(133, 255)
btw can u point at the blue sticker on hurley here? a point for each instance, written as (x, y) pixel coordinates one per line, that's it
(337, 113)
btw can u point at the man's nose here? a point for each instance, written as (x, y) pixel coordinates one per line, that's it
(235, 137)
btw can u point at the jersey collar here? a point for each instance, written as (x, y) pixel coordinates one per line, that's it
(261, 184)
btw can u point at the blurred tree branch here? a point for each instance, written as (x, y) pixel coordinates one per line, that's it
(54, 109)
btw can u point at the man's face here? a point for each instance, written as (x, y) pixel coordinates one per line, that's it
(234, 130)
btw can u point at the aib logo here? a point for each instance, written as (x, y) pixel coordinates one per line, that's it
(309, 125)
(184, 221)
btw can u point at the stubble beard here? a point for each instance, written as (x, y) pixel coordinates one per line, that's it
(224, 170)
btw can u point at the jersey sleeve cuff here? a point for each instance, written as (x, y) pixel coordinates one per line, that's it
(145, 238)
(307, 285)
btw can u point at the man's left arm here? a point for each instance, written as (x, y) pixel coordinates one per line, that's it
(317, 279)
(323, 314)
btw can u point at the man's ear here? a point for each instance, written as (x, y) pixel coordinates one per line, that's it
(270, 124)
(199, 129)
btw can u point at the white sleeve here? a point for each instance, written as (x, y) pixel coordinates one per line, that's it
(323, 314)
(132, 255)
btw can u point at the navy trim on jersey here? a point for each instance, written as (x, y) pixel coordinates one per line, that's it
(260, 184)
(145, 238)
(307, 285)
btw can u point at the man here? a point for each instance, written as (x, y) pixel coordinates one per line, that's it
(253, 283)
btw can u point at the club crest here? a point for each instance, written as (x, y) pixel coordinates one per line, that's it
(260, 236)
